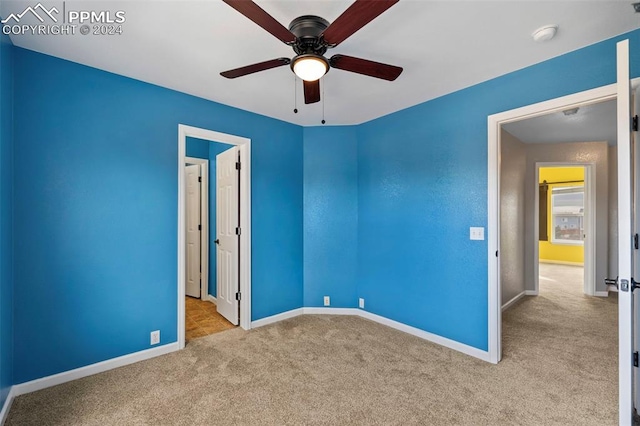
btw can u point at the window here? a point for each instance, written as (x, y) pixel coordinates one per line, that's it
(567, 211)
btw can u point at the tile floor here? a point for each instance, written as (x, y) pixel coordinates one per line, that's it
(202, 319)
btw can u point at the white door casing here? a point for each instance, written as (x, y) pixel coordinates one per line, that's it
(625, 226)
(636, 253)
(192, 230)
(227, 222)
(244, 145)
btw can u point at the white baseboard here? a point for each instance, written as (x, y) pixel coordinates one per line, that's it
(601, 294)
(443, 341)
(531, 292)
(331, 311)
(7, 405)
(276, 318)
(210, 298)
(89, 370)
(513, 300)
(561, 262)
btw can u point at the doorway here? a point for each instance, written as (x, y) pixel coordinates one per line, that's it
(562, 216)
(496, 124)
(242, 228)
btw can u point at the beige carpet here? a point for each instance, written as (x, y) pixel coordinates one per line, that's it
(559, 368)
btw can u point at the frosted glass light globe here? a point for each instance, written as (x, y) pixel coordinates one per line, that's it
(310, 68)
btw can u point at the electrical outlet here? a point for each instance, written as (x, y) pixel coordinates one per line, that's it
(476, 233)
(361, 303)
(155, 337)
(327, 301)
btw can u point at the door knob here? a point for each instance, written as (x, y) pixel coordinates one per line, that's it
(217, 242)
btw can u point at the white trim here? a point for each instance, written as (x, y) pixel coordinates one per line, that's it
(531, 292)
(89, 370)
(277, 318)
(494, 122)
(204, 220)
(560, 262)
(601, 294)
(204, 231)
(625, 218)
(331, 311)
(7, 405)
(210, 298)
(443, 341)
(512, 301)
(244, 146)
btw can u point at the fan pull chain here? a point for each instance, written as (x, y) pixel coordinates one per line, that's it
(295, 95)
(323, 83)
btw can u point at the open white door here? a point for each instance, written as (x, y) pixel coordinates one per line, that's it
(636, 258)
(227, 234)
(192, 224)
(625, 227)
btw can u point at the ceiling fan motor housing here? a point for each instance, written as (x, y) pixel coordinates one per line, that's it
(308, 30)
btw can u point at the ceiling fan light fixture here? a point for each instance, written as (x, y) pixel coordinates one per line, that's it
(310, 67)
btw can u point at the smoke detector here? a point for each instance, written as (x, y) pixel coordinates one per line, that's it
(545, 33)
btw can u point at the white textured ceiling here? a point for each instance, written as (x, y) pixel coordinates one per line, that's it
(443, 46)
(592, 123)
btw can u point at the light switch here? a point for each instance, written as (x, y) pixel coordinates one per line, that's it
(476, 233)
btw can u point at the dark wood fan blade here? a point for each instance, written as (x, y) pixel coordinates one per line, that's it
(355, 17)
(366, 67)
(250, 69)
(262, 18)
(311, 91)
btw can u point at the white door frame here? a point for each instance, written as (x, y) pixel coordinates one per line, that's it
(244, 145)
(495, 121)
(204, 220)
(589, 260)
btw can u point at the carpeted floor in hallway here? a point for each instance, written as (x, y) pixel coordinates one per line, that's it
(558, 368)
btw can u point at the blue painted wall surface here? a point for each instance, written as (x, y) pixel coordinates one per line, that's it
(422, 182)
(330, 216)
(6, 210)
(197, 148)
(95, 268)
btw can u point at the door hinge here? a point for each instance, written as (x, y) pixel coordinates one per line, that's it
(238, 296)
(635, 359)
(635, 241)
(634, 123)
(238, 165)
(496, 253)
(199, 178)
(199, 227)
(238, 231)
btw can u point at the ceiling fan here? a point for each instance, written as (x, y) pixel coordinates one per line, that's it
(310, 37)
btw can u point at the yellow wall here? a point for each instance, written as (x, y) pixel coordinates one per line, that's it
(560, 252)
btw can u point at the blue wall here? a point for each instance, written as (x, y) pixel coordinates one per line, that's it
(422, 182)
(6, 210)
(95, 270)
(330, 216)
(197, 148)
